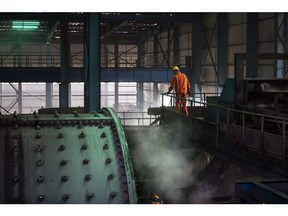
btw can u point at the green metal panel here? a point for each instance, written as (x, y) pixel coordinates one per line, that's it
(66, 158)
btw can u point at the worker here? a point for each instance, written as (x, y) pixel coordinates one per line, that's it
(182, 87)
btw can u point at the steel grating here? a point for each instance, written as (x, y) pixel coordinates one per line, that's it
(65, 158)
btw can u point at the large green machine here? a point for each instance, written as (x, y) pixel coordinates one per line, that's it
(65, 157)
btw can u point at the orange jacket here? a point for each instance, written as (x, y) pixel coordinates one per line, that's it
(180, 82)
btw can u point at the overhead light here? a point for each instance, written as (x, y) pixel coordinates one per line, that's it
(57, 36)
(25, 25)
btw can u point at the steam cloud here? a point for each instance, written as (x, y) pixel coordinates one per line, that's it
(169, 164)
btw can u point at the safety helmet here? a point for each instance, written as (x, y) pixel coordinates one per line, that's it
(175, 68)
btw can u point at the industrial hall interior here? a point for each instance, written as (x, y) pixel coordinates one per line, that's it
(143, 108)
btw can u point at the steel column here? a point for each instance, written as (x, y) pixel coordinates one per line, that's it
(155, 93)
(176, 45)
(252, 43)
(63, 87)
(116, 54)
(49, 86)
(222, 50)
(280, 43)
(196, 57)
(140, 96)
(19, 95)
(116, 95)
(92, 62)
(155, 50)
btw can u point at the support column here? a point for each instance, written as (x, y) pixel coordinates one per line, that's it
(64, 52)
(92, 96)
(19, 64)
(196, 57)
(222, 50)
(49, 86)
(155, 50)
(116, 97)
(155, 94)
(281, 43)
(116, 54)
(140, 57)
(252, 43)
(19, 93)
(140, 96)
(176, 46)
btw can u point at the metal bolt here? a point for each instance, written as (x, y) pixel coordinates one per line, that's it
(85, 161)
(65, 197)
(38, 136)
(82, 135)
(103, 135)
(113, 195)
(80, 126)
(37, 127)
(96, 115)
(108, 161)
(76, 114)
(16, 149)
(56, 114)
(84, 147)
(110, 177)
(16, 179)
(101, 125)
(39, 148)
(60, 136)
(41, 197)
(89, 196)
(40, 163)
(64, 178)
(15, 127)
(40, 179)
(63, 162)
(88, 177)
(15, 164)
(106, 146)
(61, 148)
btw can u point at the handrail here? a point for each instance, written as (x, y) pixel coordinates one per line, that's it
(281, 120)
(136, 118)
(205, 104)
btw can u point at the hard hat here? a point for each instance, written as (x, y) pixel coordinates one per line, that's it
(176, 68)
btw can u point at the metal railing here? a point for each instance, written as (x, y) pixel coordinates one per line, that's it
(77, 60)
(136, 118)
(197, 99)
(243, 120)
